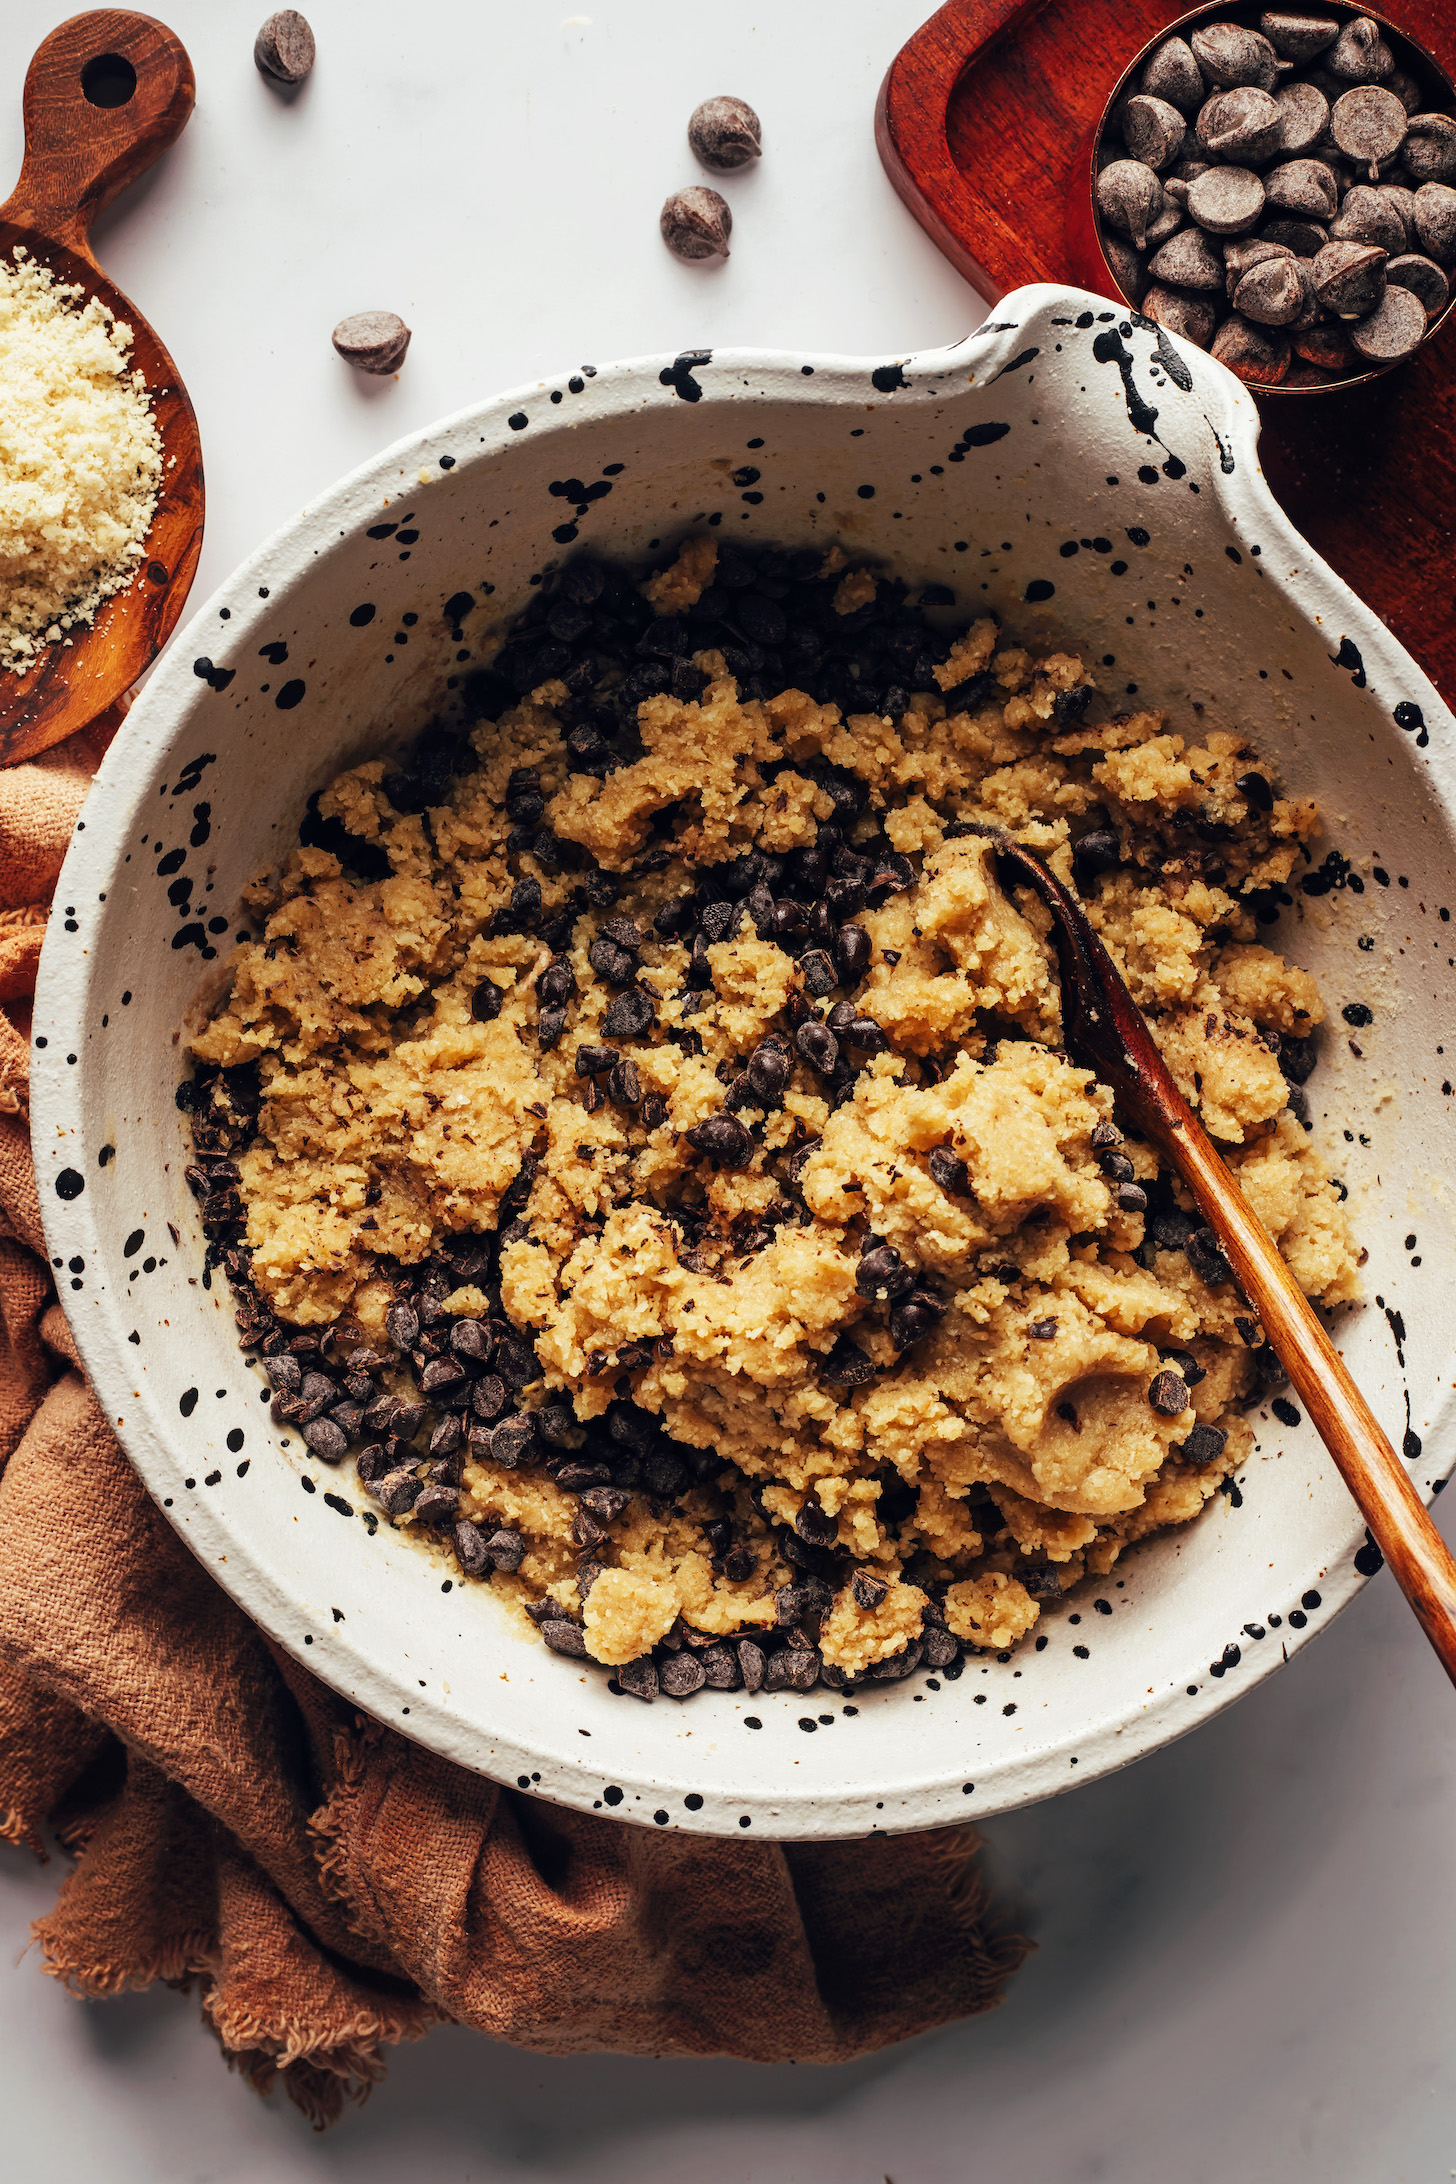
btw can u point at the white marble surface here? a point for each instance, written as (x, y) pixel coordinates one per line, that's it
(1247, 1962)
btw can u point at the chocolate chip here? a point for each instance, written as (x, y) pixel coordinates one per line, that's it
(1206, 1257)
(681, 1674)
(1298, 37)
(407, 1420)
(1436, 221)
(284, 47)
(624, 1086)
(1430, 147)
(882, 1274)
(1130, 198)
(564, 1637)
(1228, 53)
(447, 1436)
(866, 1589)
(580, 1472)
(1258, 355)
(511, 1442)
(327, 1438)
(438, 1504)
(949, 1171)
(1395, 327)
(1373, 216)
(639, 1678)
(913, 1319)
(1369, 125)
(471, 1342)
(720, 1668)
(401, 1324)
(1173, 74)
(470, 1549)
(794, 1668)
(372, 341)
(616, 965)
(629, 1015)
(441, 1372)
(769, 1070)
(1304, 116)
(814, 1524)
(725, 133)
(285, 1373)
(317, 1393)
(594, 1061)
(819, 1047)
(1360, 54)
(938, 1647)
(1168, 1394)
(899, 1665)
(1423, 277)
(853, 949)
(396, 1492)
(1189, 260)
(847, 1366)
(1194, 317)
(1304, 186)
(1132, 1198)
(819, 974)
(1226, 200)
(554, 1424)
(723, 1139)
(1242, 125)
(1042, 1330)
(1203, 1444)
(1152, 130)
(751, 1664)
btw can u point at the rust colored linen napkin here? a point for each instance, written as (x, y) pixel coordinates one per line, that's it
(328, 1887)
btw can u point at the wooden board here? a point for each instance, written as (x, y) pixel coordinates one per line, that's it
(985, 124)
(89, 131)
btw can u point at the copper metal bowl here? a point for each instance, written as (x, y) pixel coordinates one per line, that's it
(1440, 96)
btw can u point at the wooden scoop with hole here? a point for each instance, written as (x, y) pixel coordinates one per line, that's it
(105, 95)
(1104, 1030)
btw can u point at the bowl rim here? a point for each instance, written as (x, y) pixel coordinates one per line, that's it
(354, 1670)
(1176, 28)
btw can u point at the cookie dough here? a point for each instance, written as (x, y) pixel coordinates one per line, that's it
(647, 1116)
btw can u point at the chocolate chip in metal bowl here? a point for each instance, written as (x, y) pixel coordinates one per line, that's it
(1326, 139)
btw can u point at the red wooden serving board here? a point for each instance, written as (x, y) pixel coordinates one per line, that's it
(985, 125)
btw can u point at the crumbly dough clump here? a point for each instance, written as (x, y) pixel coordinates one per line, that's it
(723, 1092)
(80, 459)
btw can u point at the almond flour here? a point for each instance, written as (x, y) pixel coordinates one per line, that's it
(80, 460)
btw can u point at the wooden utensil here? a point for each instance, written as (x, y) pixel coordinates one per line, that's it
(1105, 1030)
(104, 96)
(985, 124)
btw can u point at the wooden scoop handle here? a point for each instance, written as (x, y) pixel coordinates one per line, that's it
(1400, 1523)
(88, 132)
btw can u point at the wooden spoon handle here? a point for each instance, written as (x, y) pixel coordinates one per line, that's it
(1400, 1524)
(88, 130)
(1105, 1030)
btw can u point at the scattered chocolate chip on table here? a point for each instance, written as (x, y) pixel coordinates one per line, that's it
(725, 133)
(372, 341)
(284, 47)
(696, 223)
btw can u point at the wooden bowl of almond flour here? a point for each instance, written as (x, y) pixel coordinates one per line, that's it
(1007, 472)
(101, 508)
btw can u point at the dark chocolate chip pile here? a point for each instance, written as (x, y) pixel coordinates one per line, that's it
(1284, 195)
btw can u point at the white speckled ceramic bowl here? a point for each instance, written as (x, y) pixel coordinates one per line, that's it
(1092, 482)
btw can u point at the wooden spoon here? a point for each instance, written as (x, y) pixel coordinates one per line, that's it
(104, 96)
(1105, 1030)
